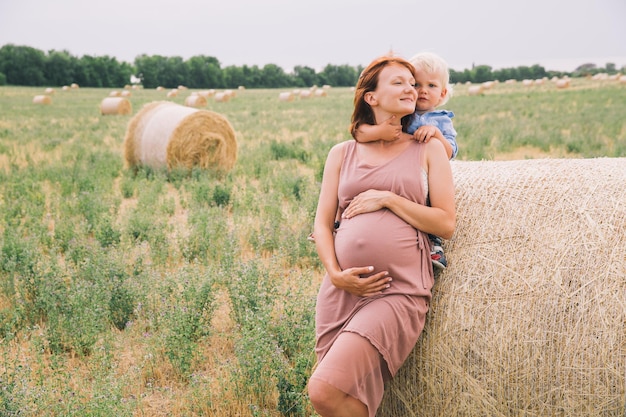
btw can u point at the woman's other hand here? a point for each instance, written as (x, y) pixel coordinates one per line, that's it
(350, 280)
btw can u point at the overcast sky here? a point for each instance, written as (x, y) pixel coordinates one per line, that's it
(557, 34)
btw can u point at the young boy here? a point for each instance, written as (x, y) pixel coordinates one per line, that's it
(432, 82)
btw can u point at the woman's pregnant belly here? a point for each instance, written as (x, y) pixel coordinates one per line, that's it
(380, 239)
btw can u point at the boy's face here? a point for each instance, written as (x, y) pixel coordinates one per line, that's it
(430, 90)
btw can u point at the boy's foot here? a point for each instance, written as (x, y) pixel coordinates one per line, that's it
(438, 258)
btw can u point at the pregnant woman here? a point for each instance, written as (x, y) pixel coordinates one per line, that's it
(373, 301)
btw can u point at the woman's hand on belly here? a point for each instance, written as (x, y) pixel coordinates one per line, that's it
(366, 202)
(350, 280)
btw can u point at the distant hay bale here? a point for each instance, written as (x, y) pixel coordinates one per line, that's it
(115, 106)
(207, 93)
(126, 93)
(562, 83)
(221, 97)
(168, 135)
(42, 99)
(49, 91)
(475, 90)
(115, 93)
(286, 96)
(172, 93)
(195, 100)
(74, 86)
(529, 318)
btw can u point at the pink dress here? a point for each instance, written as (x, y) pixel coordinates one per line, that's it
(388, 325)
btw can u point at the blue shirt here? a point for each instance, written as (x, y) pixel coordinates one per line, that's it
(442, 119)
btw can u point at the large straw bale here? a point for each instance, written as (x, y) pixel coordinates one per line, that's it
(42, 99)
(115, 105)
(165, 134)
(529, 318)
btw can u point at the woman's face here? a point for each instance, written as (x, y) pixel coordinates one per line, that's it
(395, 93)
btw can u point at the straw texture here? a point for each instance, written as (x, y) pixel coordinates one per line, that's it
(529, 318)
(165, 134)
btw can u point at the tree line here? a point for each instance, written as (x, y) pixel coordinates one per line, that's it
(27, 66)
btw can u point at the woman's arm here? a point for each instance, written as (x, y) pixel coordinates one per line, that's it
(439, 218)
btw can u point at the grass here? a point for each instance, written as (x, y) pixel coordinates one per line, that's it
(192, 293)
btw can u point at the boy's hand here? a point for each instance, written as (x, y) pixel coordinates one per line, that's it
(389, 131)
(426, 133)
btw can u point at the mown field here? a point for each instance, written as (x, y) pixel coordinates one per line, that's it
(151, 293)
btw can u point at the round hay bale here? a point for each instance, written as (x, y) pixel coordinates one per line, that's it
(115, 105)
(42, 99)
(221, 97)
(529, 318)
(286, 96)
(562, 83)
(207, 93)
(165, 134)
(195, 100)
(49, 91)
(135, 131)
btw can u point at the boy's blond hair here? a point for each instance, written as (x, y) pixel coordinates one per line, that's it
(431, 62)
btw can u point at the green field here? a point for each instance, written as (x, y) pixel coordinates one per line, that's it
(192, 293)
